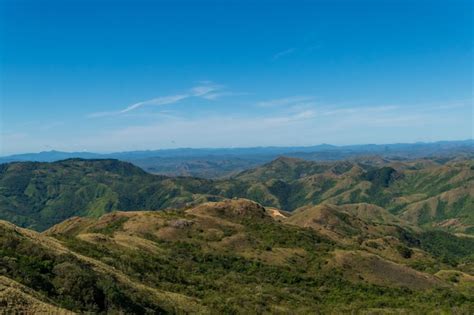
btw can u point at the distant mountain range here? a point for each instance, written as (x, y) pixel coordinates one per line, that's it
(224, 162)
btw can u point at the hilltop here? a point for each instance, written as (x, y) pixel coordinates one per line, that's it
(232, 256)
(38, 195)
(288, 236)
(425, 192)
(429, 193)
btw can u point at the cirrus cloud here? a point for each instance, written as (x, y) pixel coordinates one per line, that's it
(206, 91)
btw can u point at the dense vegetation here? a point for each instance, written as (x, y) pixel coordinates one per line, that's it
(68, 281)
(227, 257)
(424, 192)
(39, 195)
(364, 235)
(447, 247)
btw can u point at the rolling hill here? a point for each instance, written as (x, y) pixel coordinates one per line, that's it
(365, 235)
(424, 192)
(38, 195)
(232, 256)
(427, 192)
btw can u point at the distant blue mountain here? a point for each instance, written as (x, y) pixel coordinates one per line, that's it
(403, 149)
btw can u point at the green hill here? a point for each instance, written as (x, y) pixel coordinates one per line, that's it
(226, 257)
(422, 192)
(428, 193)
(38, 195)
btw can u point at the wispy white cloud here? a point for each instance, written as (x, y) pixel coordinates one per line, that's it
(165, 100)
(293, 100)
(103, 114)
(304, 127)
(288, 125)
(213, 96)
(283, 53)
(301, 109)
(353, 110)
(220, 94)
(459, 104)
(206, 91)
(299, 116)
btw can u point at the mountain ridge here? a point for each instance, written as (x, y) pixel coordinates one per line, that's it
(225, 162)
(423, 192)
(210, 257)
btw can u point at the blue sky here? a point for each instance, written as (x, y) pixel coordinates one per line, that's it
(124, 75)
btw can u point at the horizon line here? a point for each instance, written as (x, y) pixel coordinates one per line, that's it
(235, 148)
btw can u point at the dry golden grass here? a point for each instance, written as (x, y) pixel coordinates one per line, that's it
(342, 223)
(15, 298)
(457, 277)
(386, 247)
(131, 241)
(276, 214)
(234, 208)
(363, 266)
(409, 198)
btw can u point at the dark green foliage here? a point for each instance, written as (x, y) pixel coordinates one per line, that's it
(63, 278)
(273, 234)
(470, 230)
(228, 283)
(38, 195)
(381, 176)
(80, 287)
(448, 247)
(42, 194)
(405, 251)
(407, 237)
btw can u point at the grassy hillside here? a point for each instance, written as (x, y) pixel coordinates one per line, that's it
(429, 193)
(233, 256)
(424, 192)
(38, 195)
